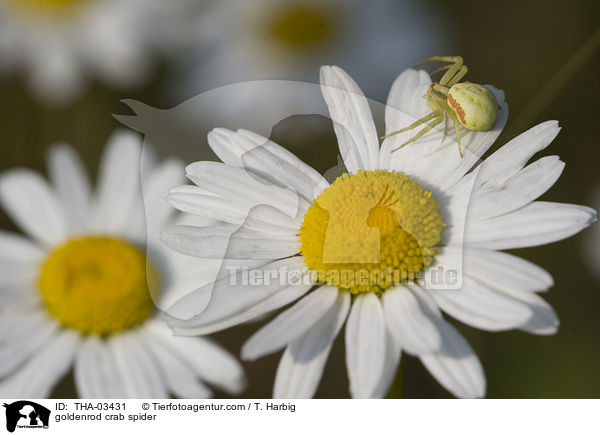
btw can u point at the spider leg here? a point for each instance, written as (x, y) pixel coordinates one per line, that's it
(445, 129)
(457, 131)
(450, 59)
(423, 120)
(442, 68)
(422, 132)
(452, 71)
(459, 75)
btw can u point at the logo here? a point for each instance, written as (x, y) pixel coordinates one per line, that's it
(26, 414)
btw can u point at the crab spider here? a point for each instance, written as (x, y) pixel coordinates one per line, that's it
(471, 105)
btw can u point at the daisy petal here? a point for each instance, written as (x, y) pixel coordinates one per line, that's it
(277, 300)
(519, 190)
(137, 370)
(303, 361)
(501, 270)
(192, 199)
(365, 345)
(180, 378)
(19, 262)
(25, 338)
(404, 105)
(96, 374)
(271, 161)
(544, 320)
(290, 324)
(390, 366)
(46, 367)
(409, 323)
(481, 307)
(159, 180)
(242, 187)
(352, 119)
(513, 156)
(71, 183)
(209, 361)
(33, 206)
(230, 296)
(226, 242)
(118, 184)
(17, 249)
(535, 224)
(455, 366)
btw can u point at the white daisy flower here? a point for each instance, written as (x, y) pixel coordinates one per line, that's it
(75, 293)
(317, 227)
(271, 39)
(58, 42)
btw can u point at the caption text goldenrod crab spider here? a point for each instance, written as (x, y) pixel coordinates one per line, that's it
(471, 105)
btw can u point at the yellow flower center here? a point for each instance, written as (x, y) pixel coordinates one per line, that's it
(98, 285)
(299, 26)
(370, 231)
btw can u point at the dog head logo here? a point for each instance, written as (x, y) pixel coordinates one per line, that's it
(26, 414)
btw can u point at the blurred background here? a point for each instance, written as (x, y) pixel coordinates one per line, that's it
(543, 55)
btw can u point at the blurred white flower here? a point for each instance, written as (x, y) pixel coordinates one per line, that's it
(461, 211)
(58, 43)
(592, 243)
(289, 40)
(76, 293)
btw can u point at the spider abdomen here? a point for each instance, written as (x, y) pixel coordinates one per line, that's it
(474, 106)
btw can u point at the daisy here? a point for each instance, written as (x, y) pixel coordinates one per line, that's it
(271, 39)
(83, 289)
(58, 42)
(434, 211)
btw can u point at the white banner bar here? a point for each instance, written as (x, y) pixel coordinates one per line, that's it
(309, 417)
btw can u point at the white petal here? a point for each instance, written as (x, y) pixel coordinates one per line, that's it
(33, 206)
(455, 366)
(290, 324)
(192, 199)
(46, 367)
(260, 155)
(519, 190)
(179, 376)
(535, 224)
(301, 366)
(209, 361)
(160, 179)
(71, 183)
(243, 187)
(56, 75)
(352, 119)
(365, 345)
(501, 270)
(136, 368)
(479, 306)
(544, 320)
(232, 295)
(23, 339)
(513, 156)
(390, 365)
(277, 300)
(96, 373)
(409, 322)
(19, 262)
(118, 184)
(225, 241)
(18, 249)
